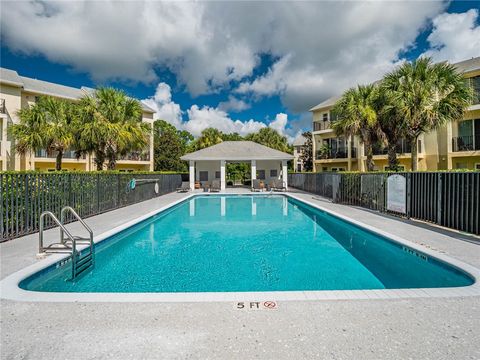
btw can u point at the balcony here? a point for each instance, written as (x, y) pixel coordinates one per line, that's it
(402, 147)
(466, 143)
(322, 125)
(136, 156)
(3, 110)
(339, 153)
(69, 154)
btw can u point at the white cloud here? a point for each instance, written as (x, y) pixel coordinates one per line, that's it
(202, 118)
(321, 47)
(234, 104)
(165, 108)
(198, 118)
(455, 37)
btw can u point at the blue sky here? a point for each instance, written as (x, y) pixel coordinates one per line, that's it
(235, 70)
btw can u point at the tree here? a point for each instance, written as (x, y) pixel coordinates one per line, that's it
(48, 124)
(111, 125)
(356, 115)
(232, 137)
(169, 145)
(426, 96)
(209, 137)
(307, 152)
(391, 125)
(271, 138)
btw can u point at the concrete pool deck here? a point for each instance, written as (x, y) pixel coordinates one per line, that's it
(381, 328)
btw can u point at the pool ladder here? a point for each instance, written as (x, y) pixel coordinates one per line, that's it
(81, 260)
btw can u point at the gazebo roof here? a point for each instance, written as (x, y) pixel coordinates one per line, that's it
(237, 150)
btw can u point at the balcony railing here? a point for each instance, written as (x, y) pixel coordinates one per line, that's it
(69, 154)
(466, 143)
(321, 125)
(339, 153)
(3, 110)
(402, 147)
(136, 156)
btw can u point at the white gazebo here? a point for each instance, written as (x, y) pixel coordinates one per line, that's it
(209, 164)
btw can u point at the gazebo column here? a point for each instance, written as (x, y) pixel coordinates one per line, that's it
(192, 174)
(285, 173)
(254, 170)
(222, 175)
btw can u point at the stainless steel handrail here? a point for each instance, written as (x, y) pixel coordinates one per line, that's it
(84, 224)
(75, 214)
(63, 230)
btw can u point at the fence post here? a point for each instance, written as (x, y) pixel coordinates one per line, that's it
(439, 199)
(409, 194)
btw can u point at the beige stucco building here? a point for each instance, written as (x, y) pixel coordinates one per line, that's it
(454, 146)
(18, 92)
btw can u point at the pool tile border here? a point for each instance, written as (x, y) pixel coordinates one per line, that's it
(10, 290)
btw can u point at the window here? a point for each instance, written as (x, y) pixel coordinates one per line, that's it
(477, 166)
(324, 168)
(203, 175)
(274, 173)
(461, 166)
(299, 167)
(261, 174)
(338, 169)
(217, 174)
(325, 117)
(475, 84)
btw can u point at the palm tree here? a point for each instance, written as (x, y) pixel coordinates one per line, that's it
(48, 124)
(209, 137)
(391, 125)
(271, 138)
(111, 125)
(426, 96)
(356, 115)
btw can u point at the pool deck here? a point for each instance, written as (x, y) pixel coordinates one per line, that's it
(426, 328)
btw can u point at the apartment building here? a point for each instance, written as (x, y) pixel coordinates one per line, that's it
(18, 92)
(454, 146)
(298, 147)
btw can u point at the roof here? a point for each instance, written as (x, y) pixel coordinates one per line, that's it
(327, 103)
(465, 66)
(11, 77)
(237, 150)
(468, 65)
(300, 140)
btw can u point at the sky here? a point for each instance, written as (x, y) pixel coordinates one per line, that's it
(236, 66)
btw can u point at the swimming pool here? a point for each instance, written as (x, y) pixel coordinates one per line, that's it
(248, 243)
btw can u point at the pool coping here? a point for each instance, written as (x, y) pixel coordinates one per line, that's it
(10, 290)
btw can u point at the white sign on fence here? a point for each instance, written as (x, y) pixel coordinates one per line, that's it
(397, 193)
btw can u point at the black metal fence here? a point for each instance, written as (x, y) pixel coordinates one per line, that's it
(24, 196)
(450, 199)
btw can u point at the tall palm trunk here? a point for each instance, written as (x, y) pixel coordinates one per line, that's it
(111, 162)
(414, 152)
(99, 160)
(58, 160)
(369, 153)
(392, 156)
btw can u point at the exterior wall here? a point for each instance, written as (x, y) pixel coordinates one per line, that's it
(210, 166)
(15, 99)
(269, 165)
(466, 162)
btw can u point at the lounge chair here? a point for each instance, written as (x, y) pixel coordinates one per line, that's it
(256, 185)
(185, 187)
(205, 186)
(278, 185)
(216, 186)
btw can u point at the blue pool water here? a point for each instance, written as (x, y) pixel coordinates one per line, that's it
(249, 243)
